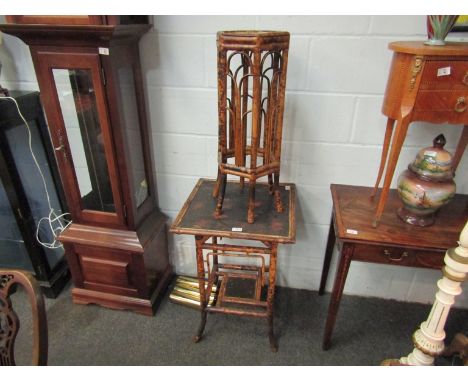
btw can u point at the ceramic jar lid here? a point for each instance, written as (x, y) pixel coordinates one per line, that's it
(433, 163)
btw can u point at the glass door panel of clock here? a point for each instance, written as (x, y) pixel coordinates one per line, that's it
(79, 110)
(133, 134)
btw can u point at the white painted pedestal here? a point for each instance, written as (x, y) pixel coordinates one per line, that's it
(429, 338)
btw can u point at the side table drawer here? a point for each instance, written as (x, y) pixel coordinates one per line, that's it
(399, 256)
(441, 106)
(435, 75)
(455, 102)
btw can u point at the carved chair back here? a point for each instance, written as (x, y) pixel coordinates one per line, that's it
(9, 321)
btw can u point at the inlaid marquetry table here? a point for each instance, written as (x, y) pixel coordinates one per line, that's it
(393, 242)
(426, 83)
(244, 273)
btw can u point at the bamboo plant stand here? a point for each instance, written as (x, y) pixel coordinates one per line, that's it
(252, 69)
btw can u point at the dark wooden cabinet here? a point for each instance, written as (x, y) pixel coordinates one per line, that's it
(23, 201)
(77, 19)
(91, 87)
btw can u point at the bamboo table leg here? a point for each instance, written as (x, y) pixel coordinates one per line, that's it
(251, 209)
(328, 256)
(214, 241)
(337, 292)
(221, 192)
(271, 295)
(199, 240)
(216, 187)
(397, 143)
(277, 194)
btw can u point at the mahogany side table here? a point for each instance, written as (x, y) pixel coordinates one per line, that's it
(394, 242)
(426, 83)
(239, 270)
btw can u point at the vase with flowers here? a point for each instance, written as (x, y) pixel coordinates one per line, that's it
(438, 27)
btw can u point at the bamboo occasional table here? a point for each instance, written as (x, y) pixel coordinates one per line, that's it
(238, 267)
(393, 242)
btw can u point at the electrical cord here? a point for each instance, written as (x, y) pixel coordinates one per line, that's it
(55, 223)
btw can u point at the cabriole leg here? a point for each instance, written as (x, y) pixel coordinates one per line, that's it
(383, 159)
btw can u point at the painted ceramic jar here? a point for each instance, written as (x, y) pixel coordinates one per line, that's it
(426, 185)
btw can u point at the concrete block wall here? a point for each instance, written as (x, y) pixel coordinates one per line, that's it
(333, 127)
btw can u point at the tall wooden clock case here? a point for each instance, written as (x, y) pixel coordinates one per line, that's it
(89, 75)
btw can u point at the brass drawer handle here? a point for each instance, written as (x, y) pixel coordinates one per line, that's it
(460, 106)
(465, 79)
(388, 254)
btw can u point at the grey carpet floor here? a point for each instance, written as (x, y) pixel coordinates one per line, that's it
(367, 331)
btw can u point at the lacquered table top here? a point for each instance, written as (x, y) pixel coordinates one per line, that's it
(197, 215)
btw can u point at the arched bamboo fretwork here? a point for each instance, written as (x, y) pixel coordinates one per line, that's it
(252, 68)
